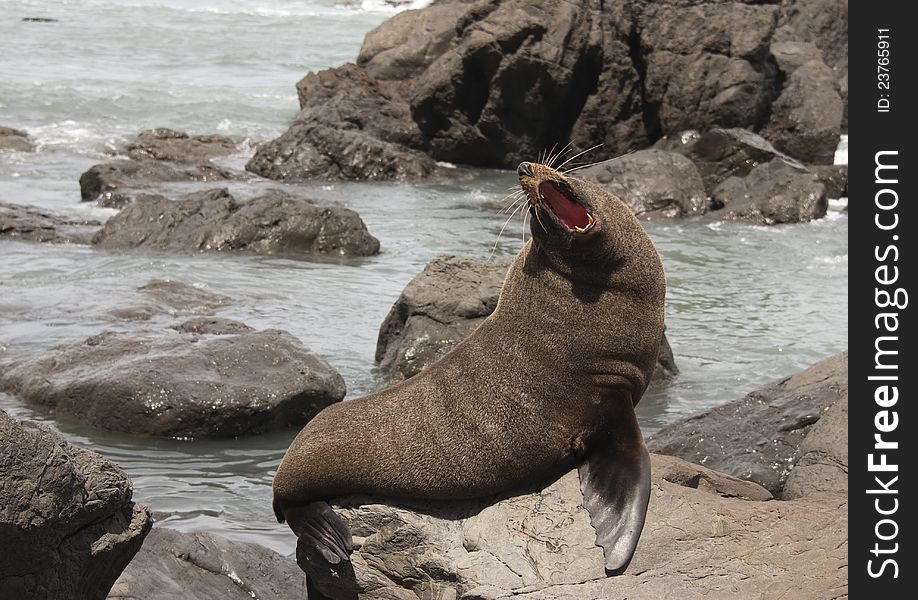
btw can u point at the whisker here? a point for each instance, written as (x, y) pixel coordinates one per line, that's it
(561, 166)
(525, 216)
(599, 162)
(511, 204)
(561, 153)
(547, 157)
(497, 241)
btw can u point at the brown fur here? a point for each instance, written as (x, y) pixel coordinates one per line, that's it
(569, 349)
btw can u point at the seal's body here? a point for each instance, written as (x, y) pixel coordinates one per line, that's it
(547, 382)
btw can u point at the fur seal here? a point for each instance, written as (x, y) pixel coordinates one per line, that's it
(548, 382)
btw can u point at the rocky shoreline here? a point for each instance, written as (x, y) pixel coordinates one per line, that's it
(707, 111)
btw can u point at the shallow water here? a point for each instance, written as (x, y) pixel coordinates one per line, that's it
(746, 304)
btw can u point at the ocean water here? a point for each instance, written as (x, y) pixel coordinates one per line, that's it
(746, 304)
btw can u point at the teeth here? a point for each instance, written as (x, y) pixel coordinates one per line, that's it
(590, 224)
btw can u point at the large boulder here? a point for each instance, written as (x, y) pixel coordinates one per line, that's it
(68, 526)
(495, 82)
(178, 146)
(653, 183)
(196, 381)
(441, 306)
(19, 222)
(117, 183)
(15, 140)
(760, 437)
(215, 221)
(728, 538)
(773, 193)
(201, 566)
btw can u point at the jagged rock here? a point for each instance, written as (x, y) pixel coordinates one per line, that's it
(201, 566)
(441, 306)
(16, 140)
(834, 177)
(773, 193)
(821, 462)
(728, 542)
(654, 183)
(117, 183)
(68, 526)
(214, 220)
(169, 383)
(33, 224)
(178, 146)
(757, 438)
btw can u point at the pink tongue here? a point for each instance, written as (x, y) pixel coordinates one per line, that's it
(571, 214)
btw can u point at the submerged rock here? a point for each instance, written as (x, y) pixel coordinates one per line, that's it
(171, 383)
(215, 221)
(654, 183)
(178, 146)
(730, 542)
(16, 140)
(68, 526)
(773, 193)
(117, 183)
(761, 437)
(172, 298)
(32, 224)
(201, 566)
(441, 306)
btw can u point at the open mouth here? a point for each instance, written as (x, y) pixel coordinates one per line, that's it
(574, 216)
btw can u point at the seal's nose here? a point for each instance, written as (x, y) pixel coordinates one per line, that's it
(524, 169)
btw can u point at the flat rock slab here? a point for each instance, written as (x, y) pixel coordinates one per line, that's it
(215, 221)
(178, 146)
(187, 383)
(15, 140)
(771, 194)
(653, 183)
(68, 526)
(759, 437)
(201, 566)
(116, 184)
(28, 223)
(707, 535)
(441, 306)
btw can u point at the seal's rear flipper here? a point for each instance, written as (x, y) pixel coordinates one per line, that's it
(323, 551)
(615, 481)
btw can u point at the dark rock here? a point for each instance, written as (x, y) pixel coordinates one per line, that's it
(834, 178)
(14, 139)
(201, 566)
(806, 118)
(38, 20)
(117, 183)
(68, 526)
(731, 541)
(773, 193)
(821, 463)
(654, 183)
(758, 438)
(349, 127)
(33, 224)
(440, 307)
(178, 146)
(175, 384)
(722, 153)
(213, 220)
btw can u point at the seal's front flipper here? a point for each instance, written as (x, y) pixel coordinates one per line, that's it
(323, 551)
(615, 481)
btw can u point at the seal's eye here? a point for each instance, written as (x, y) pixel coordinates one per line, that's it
(574, 216)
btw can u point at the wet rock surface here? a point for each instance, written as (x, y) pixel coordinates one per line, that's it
(441, 306)
(201, 566)
(201, 380)
(68, 526)
(177, 146)
(15, 140)
(116, 184)
(654, 183)
(773, 193)
(761, 437)
(171, 298)
(31, 224)
(215, 221)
